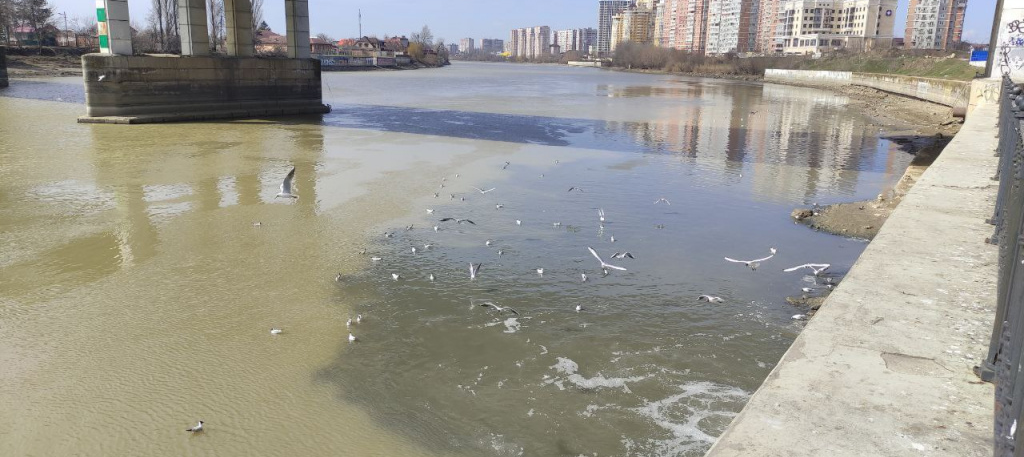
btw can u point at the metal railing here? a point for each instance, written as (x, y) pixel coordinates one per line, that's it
(1005, 358)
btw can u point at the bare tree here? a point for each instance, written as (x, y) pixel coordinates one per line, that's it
(325, 37)
(217, 25)
(257, 19)
(6, 21)
(173, 38)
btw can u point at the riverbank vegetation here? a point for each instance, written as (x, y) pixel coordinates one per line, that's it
(930, 64)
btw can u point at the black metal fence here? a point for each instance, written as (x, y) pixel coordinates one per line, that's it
(1005, 358)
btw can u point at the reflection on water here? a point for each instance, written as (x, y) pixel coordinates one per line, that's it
(137, 290)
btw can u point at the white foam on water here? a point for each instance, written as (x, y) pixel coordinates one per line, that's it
(685, 417)
(570, 368)
(511, 325)
(503, 447)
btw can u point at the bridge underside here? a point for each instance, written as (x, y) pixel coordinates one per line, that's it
(123, 88)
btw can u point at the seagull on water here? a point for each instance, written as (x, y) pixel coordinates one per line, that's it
(474, 268)
(348, 323)
(540, 271)
(351, 338)
(583, 277)
(436, 194)
(499, 206)
(195, 428)
(376, 259)
(483, 191)
(499, 309)
(662, 199)
(430, 211)
(604, 266)
(622, 255)
(408, 227)
(431, 277)
(395, 276)
(286, 186)
(488, 242)
(337, 278)
(275, 331)
(458, 221)
(817, 268)
(436, 228)
(500, 252)
(359, 318)
(414, 250)
(600, 214)
(753, 264)
(519, 222)
(556, 224)
(612, 238)
(709, 299)
(579, 308)
(427, 246)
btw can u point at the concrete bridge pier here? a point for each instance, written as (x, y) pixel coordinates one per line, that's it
(123, 88)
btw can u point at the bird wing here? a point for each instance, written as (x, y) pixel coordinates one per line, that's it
(744, 261)
(471, 222)
(807, 265)
(762, 259)
(286, 185)
(628, 254)
(608, 265)
(478, 189)
(592, 251)
(488, 190)
(448, 219)
(512, 311)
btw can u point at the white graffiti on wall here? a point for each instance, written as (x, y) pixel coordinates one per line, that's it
(1011, 42)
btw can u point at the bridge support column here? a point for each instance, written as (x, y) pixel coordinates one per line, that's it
(239, 27)
(3, 66)
(113, 27)
(195, 40)
(297, 21)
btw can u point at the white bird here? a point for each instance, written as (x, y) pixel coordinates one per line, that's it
(662, 199)
(556, 224)
(709, 299)
(612, 238)
(499, 309)
(408, 227)
(456, 175)
(474, 268)
(483, 191)
(414, 250)
(604, 265)
(753, 264)
(389, 234)
(817, 268)
(799, 317)
(359, 318)
(348, 323)
(351, 338)
(620, 255)
(427, 246)
(275, 331)
(196, 428)
(540, 271)
(600, 214)
(376, 259)
(436, 228)
(807, 289)
(579, 308)
(583, 277)
(436, 195)
(286, 186)
(488, 242)
(430, 211)
(519, 222)
(337, 278)
(257, 224)
(101, 78)
(499, 206)
(500, 252)
(431, 277)
(394, 276)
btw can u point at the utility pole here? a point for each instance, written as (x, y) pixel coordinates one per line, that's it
(67, 40)
(360, 23)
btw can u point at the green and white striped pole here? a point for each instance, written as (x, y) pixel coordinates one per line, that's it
(112, 25)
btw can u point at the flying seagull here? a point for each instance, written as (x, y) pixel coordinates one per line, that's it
(505, 165)
(458, 221)
(753, 264)
(474, 268)
(499, 309)
(600, 214)
(286, 186)
(817, 268)
(662, 199)
(483, 191)
(196, 428)
(622, 255)
(575, 188)
(603, 264)
(709, 299)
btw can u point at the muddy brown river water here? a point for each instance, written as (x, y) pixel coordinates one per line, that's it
(137, 294)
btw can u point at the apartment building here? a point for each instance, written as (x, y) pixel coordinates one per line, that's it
(466, 45)
(815, 26)
(491, 45)
(634, 24)
(731, 26)
(934, 24)
(530, 42)
(606, 10)
(768, 28)
(579, 40)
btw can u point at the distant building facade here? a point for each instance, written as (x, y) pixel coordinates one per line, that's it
(606, 10)
(815, 26)
(935, 24)
(580, 40)
(466, 45)
(492, 45)
(634, 24)
(732, 26)
(530, 42)
(453, 49)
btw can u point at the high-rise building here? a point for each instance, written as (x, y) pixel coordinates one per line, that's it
(606, 10)
(579, 40)
(531, 42)
(634, 24)
(815, 26)
(466, 45)
(732, 26)
(934, 24)
(692, 32)
(768, 28)
(453, 49)
(491, 45)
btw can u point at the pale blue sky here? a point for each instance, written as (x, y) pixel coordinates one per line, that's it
(456, 19)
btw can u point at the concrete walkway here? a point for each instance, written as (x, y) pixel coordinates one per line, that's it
(884, 369)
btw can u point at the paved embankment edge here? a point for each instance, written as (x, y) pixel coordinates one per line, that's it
(884, 368)
(953, 94)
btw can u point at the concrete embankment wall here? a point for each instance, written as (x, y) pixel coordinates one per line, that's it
(3, 66)
(884, 368)
(136, 89)
(954, 94)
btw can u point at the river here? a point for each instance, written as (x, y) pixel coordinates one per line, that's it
(143, 266)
